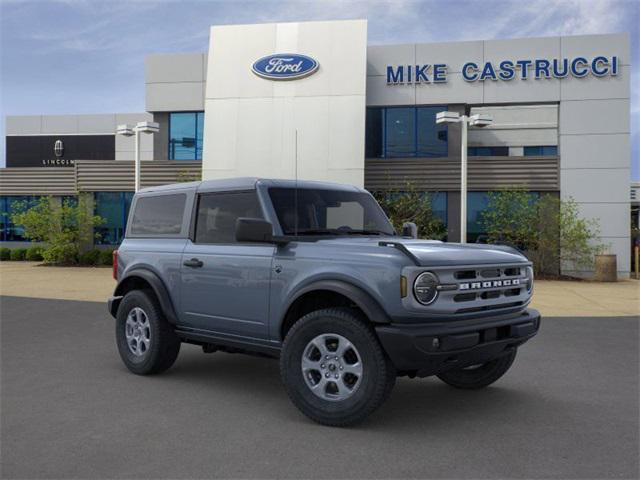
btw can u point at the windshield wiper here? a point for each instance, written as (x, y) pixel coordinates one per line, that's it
(366, 232)
(318, 231)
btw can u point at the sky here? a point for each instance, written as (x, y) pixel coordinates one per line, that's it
(87, 56)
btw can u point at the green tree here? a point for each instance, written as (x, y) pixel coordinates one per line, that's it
(549, 229)
(67, 228)
(407, 204)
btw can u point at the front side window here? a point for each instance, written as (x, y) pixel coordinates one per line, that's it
(328, 212)
(185, 135)
(218, 212)
(159, 215)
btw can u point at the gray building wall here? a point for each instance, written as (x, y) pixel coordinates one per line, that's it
(592, 129)
(175, 82)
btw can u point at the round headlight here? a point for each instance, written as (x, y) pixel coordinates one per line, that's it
(425, 288)
(529, 279)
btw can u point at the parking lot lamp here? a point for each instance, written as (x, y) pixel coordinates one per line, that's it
(477, 120)
(128, 131)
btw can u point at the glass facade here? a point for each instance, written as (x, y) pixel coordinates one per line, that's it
(114, 208)
(9, 232)
(185, 135)
(393, 132)
(541, 151)
(488, 151)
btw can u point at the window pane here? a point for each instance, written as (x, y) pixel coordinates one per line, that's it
(109, 206)
(439, 205)
(400, 132)
(182, 136)
(432, 137)
(532, 151)
(217, 215)
(374, 132)
(477, 202)
(160, 215)
(327, 211)
(551, 150)
(12, 205)
(199, 134)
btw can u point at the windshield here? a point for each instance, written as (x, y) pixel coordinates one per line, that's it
(328, 212)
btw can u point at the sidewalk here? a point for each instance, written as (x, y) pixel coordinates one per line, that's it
(552, 298)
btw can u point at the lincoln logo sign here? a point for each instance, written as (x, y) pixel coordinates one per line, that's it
(505, 70)
(285, 66)
(58, 148)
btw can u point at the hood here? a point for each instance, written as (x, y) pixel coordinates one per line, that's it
(434, 253)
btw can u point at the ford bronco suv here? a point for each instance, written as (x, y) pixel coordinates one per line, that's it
(314, 273)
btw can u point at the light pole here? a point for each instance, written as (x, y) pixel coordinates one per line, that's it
(477, 120)
(128, 131)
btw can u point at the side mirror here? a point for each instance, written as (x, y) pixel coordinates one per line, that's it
(253, 230)
(410, 229)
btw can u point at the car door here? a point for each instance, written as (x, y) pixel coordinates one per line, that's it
(225, 284)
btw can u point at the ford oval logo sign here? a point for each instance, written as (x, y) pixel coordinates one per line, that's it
(285, 66)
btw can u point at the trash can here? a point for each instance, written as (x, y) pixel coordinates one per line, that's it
(606, 268)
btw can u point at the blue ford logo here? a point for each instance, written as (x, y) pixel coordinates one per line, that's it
(285, 66)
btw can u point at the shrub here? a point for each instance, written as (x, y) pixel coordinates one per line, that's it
(407, 204)
(549, 229)
(106, 257)
(64, 228)
(5, 254)
(34, 254)
(90, 257)
(18, 254)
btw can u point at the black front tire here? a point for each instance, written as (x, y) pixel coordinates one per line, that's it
(378, 373)
(472, 378)
(164, 344)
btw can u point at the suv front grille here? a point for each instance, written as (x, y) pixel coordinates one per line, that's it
(482, 288)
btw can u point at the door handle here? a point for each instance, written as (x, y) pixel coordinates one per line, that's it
(193, 263)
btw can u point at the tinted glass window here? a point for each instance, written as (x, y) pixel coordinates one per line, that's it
(328, 212)
(374, 132)
(541, 151)
(113, 207)
(185, 135)
(9, 206)
(488, 151)
(218, 212)
(400, 132)
(405, 132)
(432, 137)
(159, 215)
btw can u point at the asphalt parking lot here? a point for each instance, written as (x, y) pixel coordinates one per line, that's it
(567, 409)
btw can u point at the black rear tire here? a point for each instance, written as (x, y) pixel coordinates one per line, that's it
(163, 343)
(376, 381)
(480, 376)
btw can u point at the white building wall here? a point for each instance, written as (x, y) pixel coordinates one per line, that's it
(251, 123)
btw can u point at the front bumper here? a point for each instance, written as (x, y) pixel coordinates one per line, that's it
(430, 348)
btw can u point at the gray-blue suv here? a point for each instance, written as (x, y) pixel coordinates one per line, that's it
(314, 274)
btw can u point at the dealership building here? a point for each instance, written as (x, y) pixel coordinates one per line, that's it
(312, 100)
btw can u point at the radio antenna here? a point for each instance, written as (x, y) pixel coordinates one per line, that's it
(295, 195)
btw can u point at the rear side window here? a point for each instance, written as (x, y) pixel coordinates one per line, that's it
(158, 215)
(218, 212)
